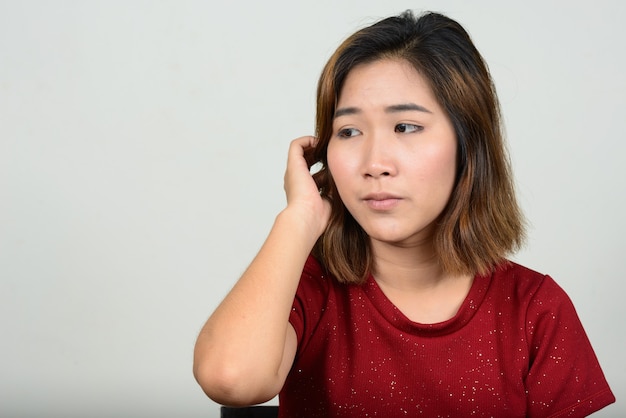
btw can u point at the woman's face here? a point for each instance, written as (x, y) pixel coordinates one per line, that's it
(392, 153)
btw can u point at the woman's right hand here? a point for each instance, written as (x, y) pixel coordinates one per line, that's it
(303, 194)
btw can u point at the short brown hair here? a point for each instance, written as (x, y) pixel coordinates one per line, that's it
(482, 221)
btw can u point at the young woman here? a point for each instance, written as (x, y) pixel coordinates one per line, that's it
(383, 287)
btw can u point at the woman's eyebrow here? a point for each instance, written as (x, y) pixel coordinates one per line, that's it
(403, 107)
(406, 106)
(346, 111)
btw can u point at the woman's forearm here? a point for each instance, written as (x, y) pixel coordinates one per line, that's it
(240, 349)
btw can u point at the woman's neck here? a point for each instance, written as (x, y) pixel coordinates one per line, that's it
(415, 266)
(413, 280)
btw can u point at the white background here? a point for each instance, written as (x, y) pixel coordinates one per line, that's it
(142, 148)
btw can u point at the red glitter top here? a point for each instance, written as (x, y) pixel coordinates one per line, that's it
(516, 348)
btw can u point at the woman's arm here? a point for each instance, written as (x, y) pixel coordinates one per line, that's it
(247, 346)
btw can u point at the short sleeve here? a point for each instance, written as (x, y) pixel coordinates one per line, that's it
(564, 378)
(310, 301)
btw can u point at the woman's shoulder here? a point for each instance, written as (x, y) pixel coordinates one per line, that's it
(518, 271)
(315, 281)
(312, 267)
(528, 284)
(517, 275)
(315, 274)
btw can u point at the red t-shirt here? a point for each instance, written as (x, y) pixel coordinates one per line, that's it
(516, 348)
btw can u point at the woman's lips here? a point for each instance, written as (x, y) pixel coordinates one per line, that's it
(381, 201)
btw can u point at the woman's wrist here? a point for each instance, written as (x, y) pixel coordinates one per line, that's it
(302, 222)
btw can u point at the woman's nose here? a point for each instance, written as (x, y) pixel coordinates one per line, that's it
(379, 159)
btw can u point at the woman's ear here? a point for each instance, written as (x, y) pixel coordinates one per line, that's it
(323, 179)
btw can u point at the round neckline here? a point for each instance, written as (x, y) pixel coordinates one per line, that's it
(395, 317)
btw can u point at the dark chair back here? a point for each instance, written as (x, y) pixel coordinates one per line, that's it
(263, 411)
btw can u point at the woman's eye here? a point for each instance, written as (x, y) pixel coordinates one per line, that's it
(408, 128)
(348, 133)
